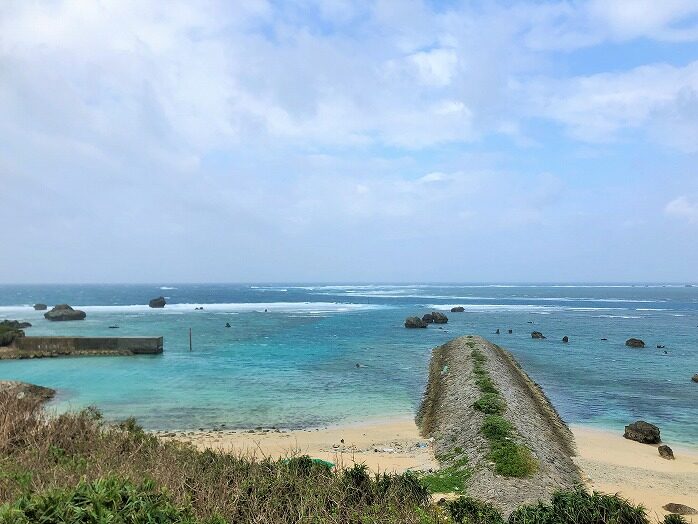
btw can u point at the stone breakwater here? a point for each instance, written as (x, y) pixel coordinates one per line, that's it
(40, 347)
(447, 415)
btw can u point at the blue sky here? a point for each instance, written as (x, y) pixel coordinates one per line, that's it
(349, 141)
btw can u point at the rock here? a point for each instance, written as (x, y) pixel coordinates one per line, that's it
(158, 302)
(8, 336)
(40, 307)
(694, 378)
(63, 312)
(634, 343)
(565, 339)
(428, 318)
(497, 332)
(510, 331)
(642, 431)
(537, 334)
(24, 390)
(415, 322)
(679, 509)
(660, 346)
(439, 318)
(666, 452)
(14, 324)
(457, 309)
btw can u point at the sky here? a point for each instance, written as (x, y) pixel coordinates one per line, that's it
(343, 141)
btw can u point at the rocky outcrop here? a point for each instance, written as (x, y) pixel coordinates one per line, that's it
(680, 509)
(415, 322)
(666, 452)
(8, 336)
(14, 324)
(439, 318)
(634, 343)
(24, 390)
(457, 309)
(63, 312)
(565, 339)
(447, 415)
(428, 318)
(537, 334)
(642, 431)
(158, 302)
(40, 307)
(694, 378)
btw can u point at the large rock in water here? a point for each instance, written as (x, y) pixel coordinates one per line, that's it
(457, 309)
(157, 302)
(642, 431)
(415, 322)
(22, 390)
(439, 318)
(634, 343)
(63, 312)
(694, 378)
(40, 307)
(537, 334)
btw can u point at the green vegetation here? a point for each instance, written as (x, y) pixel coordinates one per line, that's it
(74, 469)
(449, 479)
(510, 458)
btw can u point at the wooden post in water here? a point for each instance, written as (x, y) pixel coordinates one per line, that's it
(189, 339)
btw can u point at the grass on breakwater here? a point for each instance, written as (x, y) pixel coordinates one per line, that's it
(511, 458)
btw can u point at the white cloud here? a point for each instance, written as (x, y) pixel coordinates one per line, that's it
(683, 207)
(598, 108)
(436, 67)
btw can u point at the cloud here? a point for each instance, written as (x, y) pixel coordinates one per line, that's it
(659, 99)
(683, 207)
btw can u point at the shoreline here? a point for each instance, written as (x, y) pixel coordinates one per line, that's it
(384, 445)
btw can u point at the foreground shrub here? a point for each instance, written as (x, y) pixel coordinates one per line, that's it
(109, 500)
(467, 510)
(580, 507)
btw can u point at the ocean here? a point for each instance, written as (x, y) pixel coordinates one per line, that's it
(290, 357)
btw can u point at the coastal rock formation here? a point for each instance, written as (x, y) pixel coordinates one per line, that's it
(8, 336)
(24, 390)
(63, 312)
(158, 302)
(634, 343)
(40, 307)
(565, 339)
(14, 324)
(642, 431)
(666, 452)
(694, 378)
(439, 318)
(680, 509)
(447, 415)
(428, 318)
(537, 334)
(457, 309)
(415, 322)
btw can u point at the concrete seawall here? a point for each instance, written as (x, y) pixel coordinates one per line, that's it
(38, 347)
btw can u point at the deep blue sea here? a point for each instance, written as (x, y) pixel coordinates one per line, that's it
(289, 358)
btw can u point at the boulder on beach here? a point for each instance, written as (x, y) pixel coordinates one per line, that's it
(537, 334)
(634, 343)
(457, 309)
(565, 339)
(25, 390)
(158, 302)
(679, 509)
(40, 307)
(642, 431)
(666, 452)
(63, 312)
(415, 322)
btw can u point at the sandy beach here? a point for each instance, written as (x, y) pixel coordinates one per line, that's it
(613, 464)
(383, 445)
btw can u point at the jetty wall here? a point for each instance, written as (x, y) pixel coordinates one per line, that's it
(35, 347)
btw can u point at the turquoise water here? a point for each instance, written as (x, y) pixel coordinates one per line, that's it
(295, 364)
